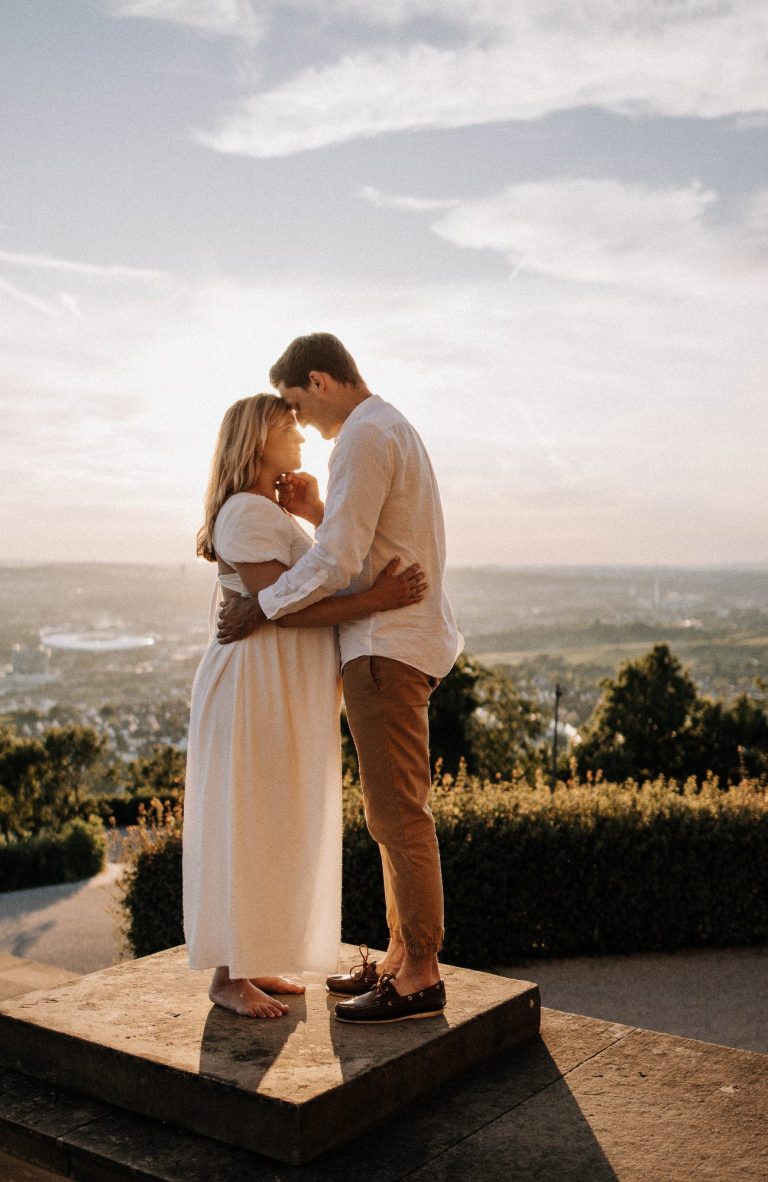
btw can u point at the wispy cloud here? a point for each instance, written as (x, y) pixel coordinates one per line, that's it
(43, 262)
(235, 18)
(608, 231)
(410, 204)
(26, 297)
(668, 57)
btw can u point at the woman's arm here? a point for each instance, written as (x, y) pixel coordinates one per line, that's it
(388, 592)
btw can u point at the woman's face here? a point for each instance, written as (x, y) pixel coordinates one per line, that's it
(282, 450)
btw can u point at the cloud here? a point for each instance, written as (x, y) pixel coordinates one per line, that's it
(234, 18)
(42, 262)
(28, 298)
(410, 204)
(668, 57)
(608, 231)
(565, 424)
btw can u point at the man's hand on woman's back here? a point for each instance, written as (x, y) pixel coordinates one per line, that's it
(238, 617)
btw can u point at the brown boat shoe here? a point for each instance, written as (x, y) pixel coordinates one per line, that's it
(360, 979)
(385, 1004)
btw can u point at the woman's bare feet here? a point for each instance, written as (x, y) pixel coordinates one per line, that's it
(243, 997)
(278, 984)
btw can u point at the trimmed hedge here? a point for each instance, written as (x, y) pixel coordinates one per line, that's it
(77, 852)
(593, 868)
(153, 898)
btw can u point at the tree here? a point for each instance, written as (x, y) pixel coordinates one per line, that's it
(730, 741)
(451, 712)
(21, 764)
(645, 722)
(478, 714)
(507, 729)
(160, 772)
(73, 754)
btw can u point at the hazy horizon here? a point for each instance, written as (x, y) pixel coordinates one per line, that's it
(202, 565)
(541, 228)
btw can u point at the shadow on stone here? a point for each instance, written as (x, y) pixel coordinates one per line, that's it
(515, 1119)
(229, 1057)
(358, 1048)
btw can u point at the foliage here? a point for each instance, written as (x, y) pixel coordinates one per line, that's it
(652, 721)
(152, 884)
(451, 713)
(162, 771)
(122, 808)
(731, 741)
(506, 731)
(74, 853)
(46, 782)
(591, 868)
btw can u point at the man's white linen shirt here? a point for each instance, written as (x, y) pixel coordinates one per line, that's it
(382, 501)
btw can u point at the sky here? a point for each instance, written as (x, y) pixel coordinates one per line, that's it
(540, 227)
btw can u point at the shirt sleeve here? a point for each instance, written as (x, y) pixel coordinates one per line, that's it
(359, 479)
(251, 529)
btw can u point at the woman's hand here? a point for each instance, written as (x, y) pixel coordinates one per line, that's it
(298, 493)
(391, 590)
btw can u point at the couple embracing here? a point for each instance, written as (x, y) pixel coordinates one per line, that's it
(262, 812)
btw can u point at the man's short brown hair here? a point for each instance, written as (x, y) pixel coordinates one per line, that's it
(321, 351)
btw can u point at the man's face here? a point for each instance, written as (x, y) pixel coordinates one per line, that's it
(311, 407)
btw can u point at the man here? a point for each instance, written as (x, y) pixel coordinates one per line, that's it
(382, 502)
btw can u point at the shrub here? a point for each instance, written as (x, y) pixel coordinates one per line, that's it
(74, 853)
(591, 868)
(152, 899)
(125, 808)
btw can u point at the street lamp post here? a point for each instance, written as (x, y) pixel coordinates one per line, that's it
(558, 696)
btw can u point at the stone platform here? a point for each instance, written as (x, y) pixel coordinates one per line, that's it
(144, 1036)
(588, 1101)
(19, 975)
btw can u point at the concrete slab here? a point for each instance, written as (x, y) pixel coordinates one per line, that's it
(290, 1088)
(649, 1107)
(571, 1105)
(19, 975)
(675, 992)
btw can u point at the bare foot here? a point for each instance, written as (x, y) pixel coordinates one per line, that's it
(243, 998)
(278, 984)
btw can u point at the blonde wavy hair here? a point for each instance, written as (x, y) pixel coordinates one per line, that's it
(237, 458)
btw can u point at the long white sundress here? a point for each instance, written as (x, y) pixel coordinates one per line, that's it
(262, 807)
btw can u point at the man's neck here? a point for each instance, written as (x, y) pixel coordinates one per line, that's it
(358, 394)
(354, 396)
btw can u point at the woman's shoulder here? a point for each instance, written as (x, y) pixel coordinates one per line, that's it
(251, 505)
(249, 526)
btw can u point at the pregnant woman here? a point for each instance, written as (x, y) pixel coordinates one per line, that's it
(262, 808)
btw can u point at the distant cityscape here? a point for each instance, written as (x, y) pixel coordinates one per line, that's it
(116, 646)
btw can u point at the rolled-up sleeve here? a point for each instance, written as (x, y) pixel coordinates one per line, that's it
(359, 479)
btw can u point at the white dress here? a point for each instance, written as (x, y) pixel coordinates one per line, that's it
(262, 806)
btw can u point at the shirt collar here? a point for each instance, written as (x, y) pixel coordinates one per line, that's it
(361, 411)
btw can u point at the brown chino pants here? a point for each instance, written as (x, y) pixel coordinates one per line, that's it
(387, 703)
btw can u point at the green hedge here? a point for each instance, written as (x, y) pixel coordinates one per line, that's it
(590, 869)
(77, 852)
(153, 899)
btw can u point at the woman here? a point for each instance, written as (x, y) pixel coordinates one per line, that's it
(262, 811)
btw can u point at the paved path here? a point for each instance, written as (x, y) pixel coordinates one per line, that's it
(718, 995)
(74, 926)
(715, 994)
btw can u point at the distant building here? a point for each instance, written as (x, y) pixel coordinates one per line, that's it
(31, 660)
